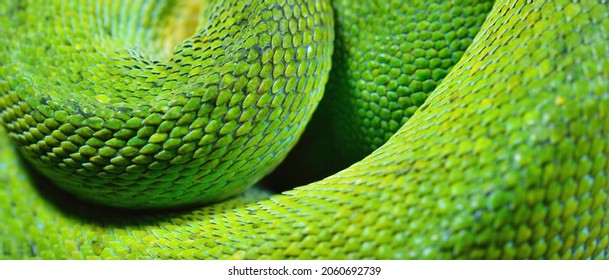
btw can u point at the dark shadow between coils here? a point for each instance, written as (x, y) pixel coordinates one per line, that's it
(105, 216)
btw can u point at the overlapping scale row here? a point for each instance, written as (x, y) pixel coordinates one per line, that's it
(507, 159)
(113, 119)
(390, 55)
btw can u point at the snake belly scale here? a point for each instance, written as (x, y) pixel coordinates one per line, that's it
(507, 157)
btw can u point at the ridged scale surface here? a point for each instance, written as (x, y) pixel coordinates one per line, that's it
(508, 158)
(126, 126)
(390, 55)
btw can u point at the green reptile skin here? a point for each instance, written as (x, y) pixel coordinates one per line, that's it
(124, 126)
(389, 56)
(507, 158)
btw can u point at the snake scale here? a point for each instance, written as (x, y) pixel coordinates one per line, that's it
(500, 148)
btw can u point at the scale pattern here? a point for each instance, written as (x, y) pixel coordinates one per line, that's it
(131, 127)
(508, 158)
(390, 55)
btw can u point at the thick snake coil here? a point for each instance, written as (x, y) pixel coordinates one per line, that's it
(507, 157)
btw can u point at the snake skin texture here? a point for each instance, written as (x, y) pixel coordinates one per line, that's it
(388, 57)
(506, 159)
(197, 127)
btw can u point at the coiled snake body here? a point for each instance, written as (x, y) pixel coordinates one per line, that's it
(506, 158)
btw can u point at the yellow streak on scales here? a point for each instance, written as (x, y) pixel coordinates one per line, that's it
(508, 158)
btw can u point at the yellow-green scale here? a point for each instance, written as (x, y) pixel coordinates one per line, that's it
(389, 56)
(106, 120)
(507, 158)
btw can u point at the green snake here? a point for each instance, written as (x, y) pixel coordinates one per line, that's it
(108, 105)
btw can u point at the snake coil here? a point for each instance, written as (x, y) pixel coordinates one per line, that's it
(506, 158)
